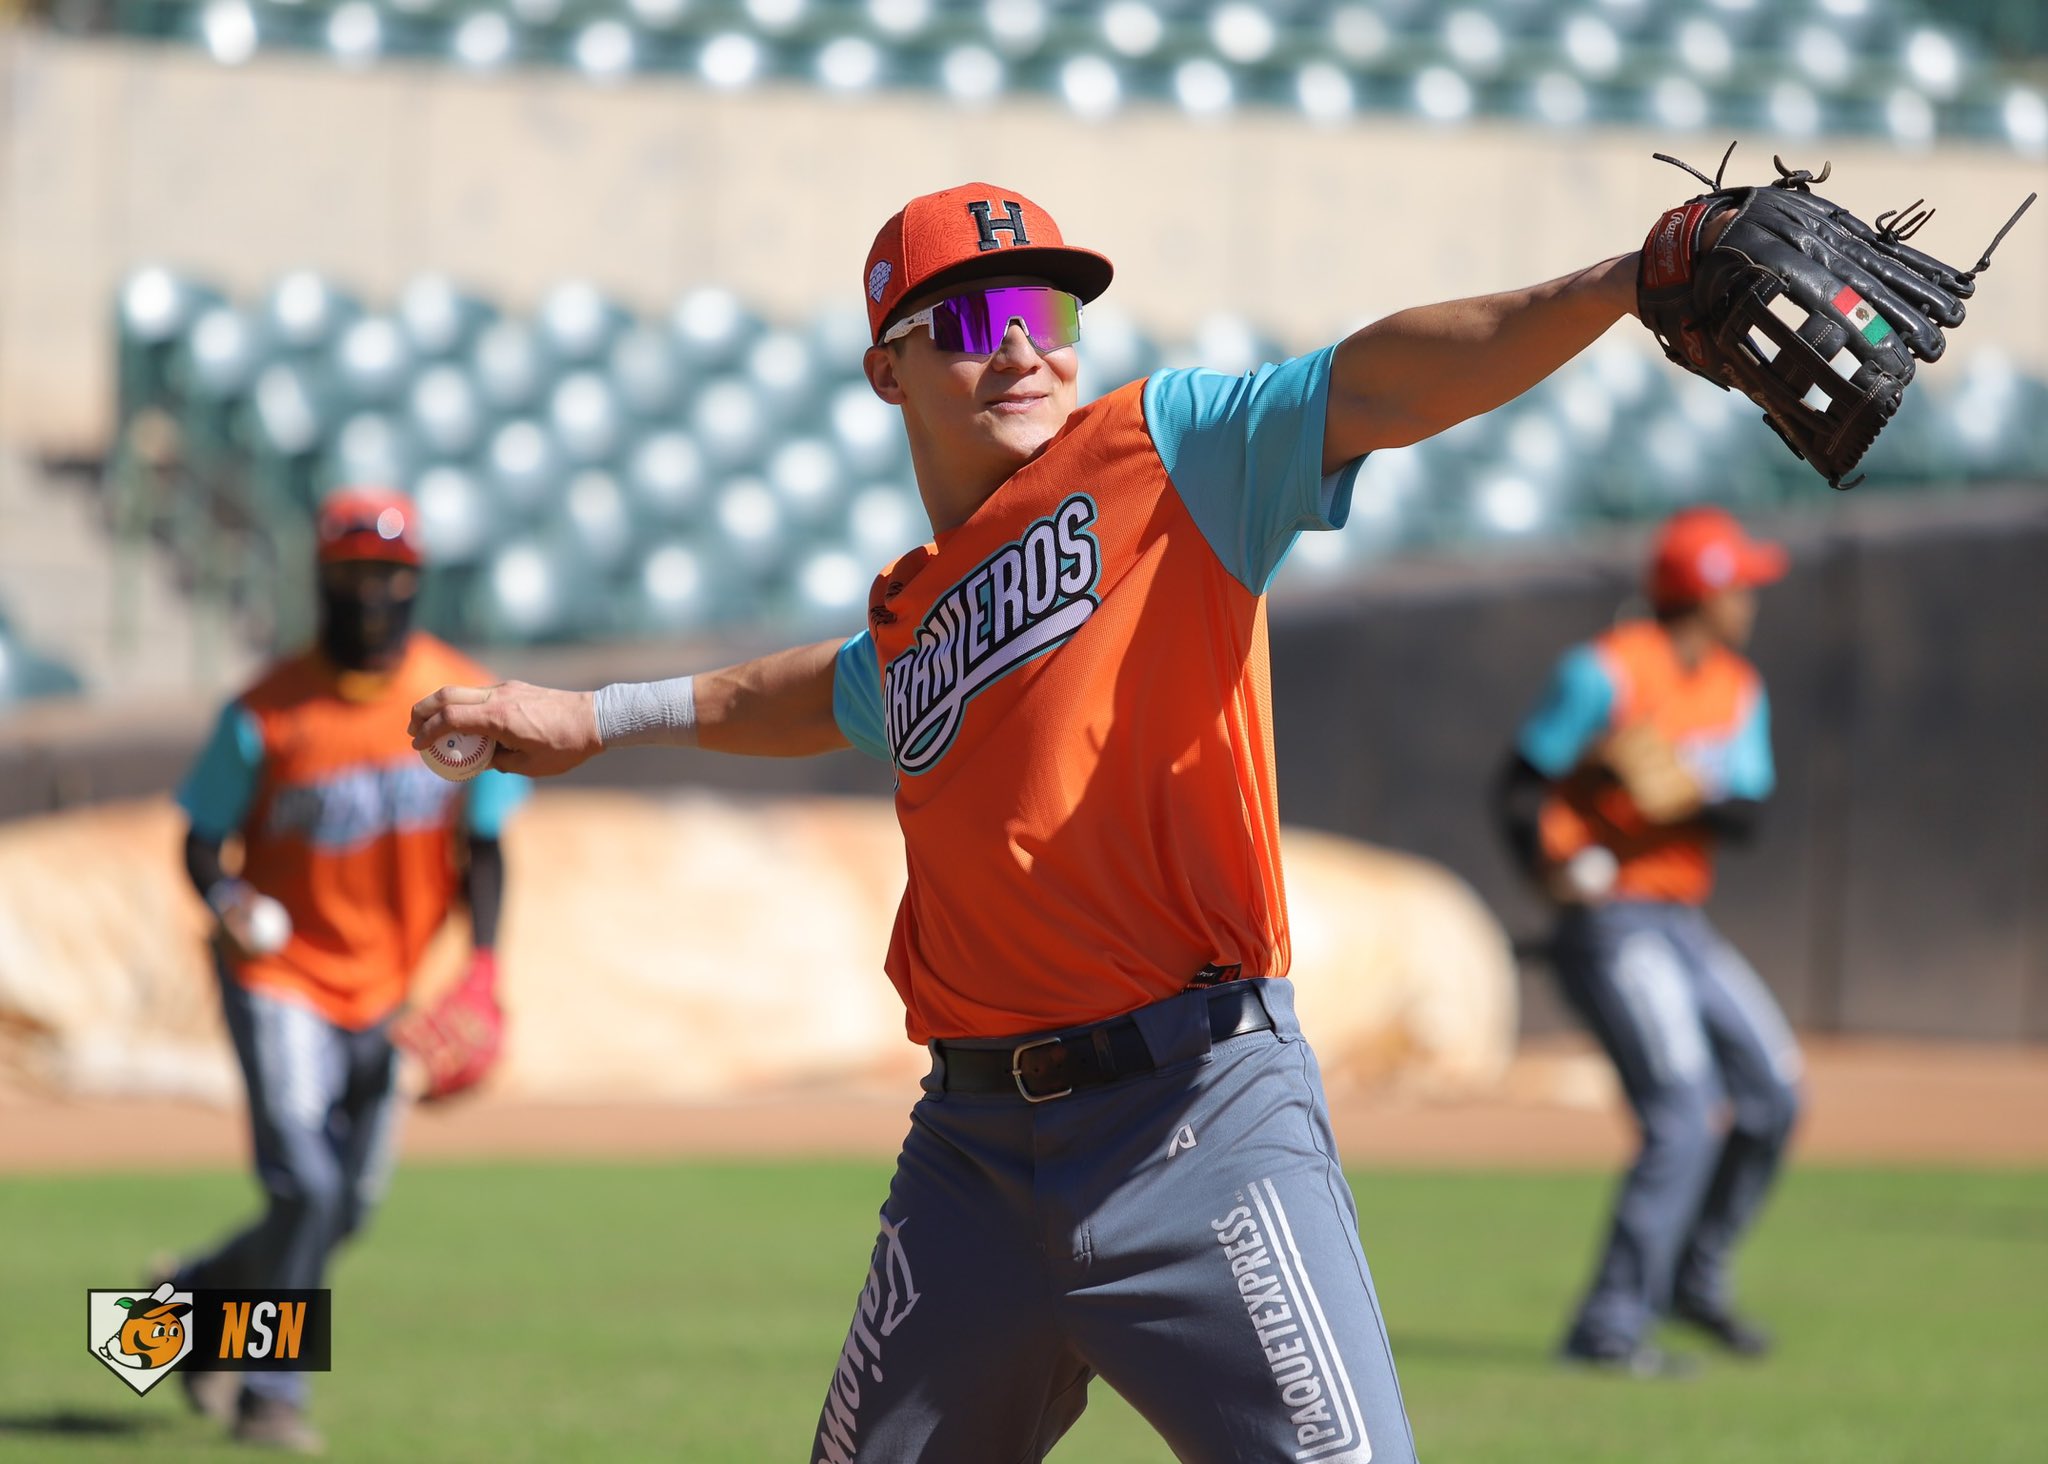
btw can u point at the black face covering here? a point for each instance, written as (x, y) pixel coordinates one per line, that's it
(363, 626)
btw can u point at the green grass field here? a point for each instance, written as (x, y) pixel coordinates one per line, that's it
(691, 1312)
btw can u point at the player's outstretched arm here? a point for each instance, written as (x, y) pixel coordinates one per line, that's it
(777, 705)
(1420, 371)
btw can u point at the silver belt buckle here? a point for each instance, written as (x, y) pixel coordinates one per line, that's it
(1017, 1071)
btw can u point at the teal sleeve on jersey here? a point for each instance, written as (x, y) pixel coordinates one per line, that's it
(1751, 773)
(857, 696)
(218, 790)
(1245, 453)
(492, 798)
(1574, 711)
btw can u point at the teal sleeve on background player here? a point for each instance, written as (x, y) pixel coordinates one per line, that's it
(217, 791)
(492, 798)
(1573, 712)
(1750, 772)
(1245, 453)
(857, 696)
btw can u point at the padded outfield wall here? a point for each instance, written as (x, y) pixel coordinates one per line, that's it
(114, 154)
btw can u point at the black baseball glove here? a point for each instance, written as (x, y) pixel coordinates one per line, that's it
(1801, 306)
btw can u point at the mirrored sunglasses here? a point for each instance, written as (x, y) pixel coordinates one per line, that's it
(976, 321)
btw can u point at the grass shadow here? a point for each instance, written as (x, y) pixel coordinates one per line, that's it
(76, 1423)
(1489, 1352)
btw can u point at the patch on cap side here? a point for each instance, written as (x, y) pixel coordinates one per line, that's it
(878, 280)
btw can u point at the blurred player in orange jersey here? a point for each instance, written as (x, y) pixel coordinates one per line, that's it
(1651, 747)
(364, 849)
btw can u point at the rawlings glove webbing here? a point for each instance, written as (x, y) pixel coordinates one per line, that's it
(1811, 313)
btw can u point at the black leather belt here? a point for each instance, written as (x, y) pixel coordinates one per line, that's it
(1044, 1068)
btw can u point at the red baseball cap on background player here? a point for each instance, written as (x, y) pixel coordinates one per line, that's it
(1702, 551)
(368, 523)
(369, 550)
(968, 233)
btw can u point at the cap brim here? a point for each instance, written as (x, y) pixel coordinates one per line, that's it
(1764, 564)
(1080, 272)
(349, 551)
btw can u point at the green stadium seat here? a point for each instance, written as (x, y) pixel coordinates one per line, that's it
(586, 418)
(522, 465)
(972, 75)
(730, 421)
(457, 516)
(784, 374)
(291, 409)
(512, 366)
(446, 411)
(667, 477)
(647, 373)
(712, 329)
(883, 521)
(372, 363)
(1995, 420)
(369, 449)
(154, 311)
(306, 313)
(745, 529)
(577, 324)
(485, 40)
(809, 480)
(838, 338)
(528, 592)
(439, 320)
(228, 30)
(867, 431)
(595, 517)
(828, 590)
(675, 587)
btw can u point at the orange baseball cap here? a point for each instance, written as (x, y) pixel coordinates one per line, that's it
(973, 230)
(1702, 550)
(369, 523)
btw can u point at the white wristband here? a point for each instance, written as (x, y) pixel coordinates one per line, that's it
(648, 713)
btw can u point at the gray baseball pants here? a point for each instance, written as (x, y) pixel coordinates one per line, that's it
(323, 1105)
(1186, 1235)
(1711, 1070)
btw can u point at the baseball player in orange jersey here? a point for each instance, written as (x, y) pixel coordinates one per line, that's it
(1651, 747)
(364, 849)
(1121, 1164)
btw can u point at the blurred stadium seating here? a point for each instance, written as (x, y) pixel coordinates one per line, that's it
(1891, 68)
(589, 473)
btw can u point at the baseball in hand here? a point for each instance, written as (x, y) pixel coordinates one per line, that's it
(459, 756)
(259, 925)
(1590, 872)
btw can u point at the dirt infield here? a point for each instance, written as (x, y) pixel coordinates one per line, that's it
(1869, 1102)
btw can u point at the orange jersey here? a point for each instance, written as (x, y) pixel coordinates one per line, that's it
(1715, 716)
(1072, 686)
(345, 827)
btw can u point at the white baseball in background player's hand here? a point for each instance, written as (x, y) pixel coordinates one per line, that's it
(256, 924)
(1589, 874)
(459, 756)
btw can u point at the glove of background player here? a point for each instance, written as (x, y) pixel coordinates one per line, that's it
(1646, 765)
(1801, 306)
(457, 1039)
